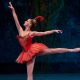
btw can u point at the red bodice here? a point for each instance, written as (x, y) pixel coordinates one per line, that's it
(25, 44)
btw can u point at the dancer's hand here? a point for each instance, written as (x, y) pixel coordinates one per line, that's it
(11, 6)
(58, 31)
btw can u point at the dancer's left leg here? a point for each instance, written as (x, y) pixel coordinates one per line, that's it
(59, 50)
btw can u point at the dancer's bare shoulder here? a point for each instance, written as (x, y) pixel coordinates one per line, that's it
(26, 34)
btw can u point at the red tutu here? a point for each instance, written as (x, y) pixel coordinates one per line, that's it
(29, 50)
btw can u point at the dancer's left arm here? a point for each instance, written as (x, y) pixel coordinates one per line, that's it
(35, 33)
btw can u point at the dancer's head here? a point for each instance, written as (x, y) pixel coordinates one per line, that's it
(33, 22)
(28, 23)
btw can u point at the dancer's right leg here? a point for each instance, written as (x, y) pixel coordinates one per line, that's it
(30, 67)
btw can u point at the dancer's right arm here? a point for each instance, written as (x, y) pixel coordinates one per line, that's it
(19, 28)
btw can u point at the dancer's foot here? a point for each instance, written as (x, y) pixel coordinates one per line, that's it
(76, 50)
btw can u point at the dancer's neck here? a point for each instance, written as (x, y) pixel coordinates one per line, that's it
(27, 29)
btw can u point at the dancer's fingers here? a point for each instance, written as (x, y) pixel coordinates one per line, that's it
(60, 31)
(10, 4)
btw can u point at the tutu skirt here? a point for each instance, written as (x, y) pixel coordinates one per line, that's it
(34, 50)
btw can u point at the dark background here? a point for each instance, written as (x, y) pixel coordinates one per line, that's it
(59, 14)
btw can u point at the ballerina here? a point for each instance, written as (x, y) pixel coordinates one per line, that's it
(31, 50)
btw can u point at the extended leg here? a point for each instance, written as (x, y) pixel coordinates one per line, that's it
(59, 50)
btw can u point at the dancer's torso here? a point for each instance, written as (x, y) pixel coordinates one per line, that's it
(25, 41)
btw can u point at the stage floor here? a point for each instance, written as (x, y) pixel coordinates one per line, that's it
(41, 77)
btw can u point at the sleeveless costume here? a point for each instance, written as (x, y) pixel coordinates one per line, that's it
(29, 49)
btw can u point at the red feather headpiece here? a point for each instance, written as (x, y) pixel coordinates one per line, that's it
(40, 18)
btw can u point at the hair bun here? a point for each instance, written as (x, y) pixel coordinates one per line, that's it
(40, 18)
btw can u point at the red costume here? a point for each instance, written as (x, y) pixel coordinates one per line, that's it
(29, 49)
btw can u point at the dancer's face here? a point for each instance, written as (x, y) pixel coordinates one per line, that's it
(28, 23)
